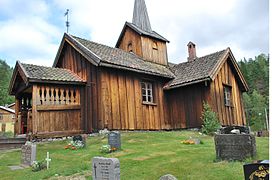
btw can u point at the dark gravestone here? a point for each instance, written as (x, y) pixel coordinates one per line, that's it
(28, 154)
(114, 139)
(256, 171)
(234, 146)
(77, 138)
(105, 168)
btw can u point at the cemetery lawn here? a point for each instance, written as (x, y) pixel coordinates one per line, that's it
(144, 155)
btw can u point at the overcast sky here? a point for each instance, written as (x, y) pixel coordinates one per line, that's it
(31, 31)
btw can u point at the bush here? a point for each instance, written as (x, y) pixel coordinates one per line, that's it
(38, 165)
(105, 149)
(8, 134)
(210, 120)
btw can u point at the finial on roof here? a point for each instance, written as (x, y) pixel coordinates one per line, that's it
(140, 16)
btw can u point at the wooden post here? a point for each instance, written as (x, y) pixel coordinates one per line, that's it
(35, 120)
(17, 109)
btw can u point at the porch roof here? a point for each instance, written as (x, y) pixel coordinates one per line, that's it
(29, 74)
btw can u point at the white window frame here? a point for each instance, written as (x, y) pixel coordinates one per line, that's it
(147, 92)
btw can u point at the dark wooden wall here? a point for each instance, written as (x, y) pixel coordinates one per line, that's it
(121, 106)
(112, 98)
(186, 104)
(71, 59)
(228, 115)
(143, 47)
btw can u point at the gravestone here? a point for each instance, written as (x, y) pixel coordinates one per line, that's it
(114, 139)
(105, 168)
(234, 146)
(81, 138)
(28, 154)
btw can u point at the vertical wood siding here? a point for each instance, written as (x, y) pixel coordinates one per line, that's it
(74, 61)
(185, 105)
(143, 47)
(228, 115)
(121, 107)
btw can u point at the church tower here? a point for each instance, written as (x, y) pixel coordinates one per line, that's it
(139, 38)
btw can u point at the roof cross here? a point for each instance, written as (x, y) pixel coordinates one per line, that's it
(67, 20)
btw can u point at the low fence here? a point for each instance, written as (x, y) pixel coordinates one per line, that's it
(11, 143)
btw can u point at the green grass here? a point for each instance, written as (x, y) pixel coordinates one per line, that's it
(145, 155)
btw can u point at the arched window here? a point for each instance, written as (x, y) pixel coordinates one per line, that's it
(130, 49)
(155, 45)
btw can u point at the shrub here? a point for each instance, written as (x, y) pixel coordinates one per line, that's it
(210, 120)
(105, 149)
(38, 165)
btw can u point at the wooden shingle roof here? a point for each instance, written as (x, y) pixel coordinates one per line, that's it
(138, 30)
(117, 58)
(203, 69)
(37, 73)
(195, 71)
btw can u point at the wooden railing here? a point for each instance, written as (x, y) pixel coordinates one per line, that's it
(57, 96)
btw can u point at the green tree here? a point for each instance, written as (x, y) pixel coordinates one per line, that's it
(5, 74)
(210, 120)
(256, 100)
(255, 104)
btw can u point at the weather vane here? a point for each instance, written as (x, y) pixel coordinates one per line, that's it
(67, 22)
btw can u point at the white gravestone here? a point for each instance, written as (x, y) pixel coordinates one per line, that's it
(105, 168)
(28, 154)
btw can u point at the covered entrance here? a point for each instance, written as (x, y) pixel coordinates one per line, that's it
(48, 101)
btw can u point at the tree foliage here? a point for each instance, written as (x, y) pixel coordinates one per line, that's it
(256, 100)
(5, 76)
(210, 120)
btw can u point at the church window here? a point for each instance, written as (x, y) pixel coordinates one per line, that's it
(147, 92)
(130, 49)
(155, 45)
(227, 95)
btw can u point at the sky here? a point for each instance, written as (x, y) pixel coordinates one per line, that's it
(31, 31)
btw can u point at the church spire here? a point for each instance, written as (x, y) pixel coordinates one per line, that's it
(140, 16)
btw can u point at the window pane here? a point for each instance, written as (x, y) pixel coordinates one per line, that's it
(144, 98)
(149, 99)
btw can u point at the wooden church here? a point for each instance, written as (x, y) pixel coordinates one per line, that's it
(131, 86)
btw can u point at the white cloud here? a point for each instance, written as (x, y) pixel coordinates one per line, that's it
(34, 32)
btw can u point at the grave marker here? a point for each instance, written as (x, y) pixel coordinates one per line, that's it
(47, 159)
(28, 154)
(114, 139)
(105, 168)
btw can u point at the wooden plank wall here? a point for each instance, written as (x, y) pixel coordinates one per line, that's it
(143, 47)
(228, 115)
(55, 115)
(71, 59)
(185, 105)
(130, 36)
(157, 56)
(120, 102)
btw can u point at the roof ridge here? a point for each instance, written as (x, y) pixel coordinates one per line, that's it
(121, 50)
(42, 66)
(201, 57)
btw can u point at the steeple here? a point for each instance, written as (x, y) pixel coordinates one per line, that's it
(140, 16)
